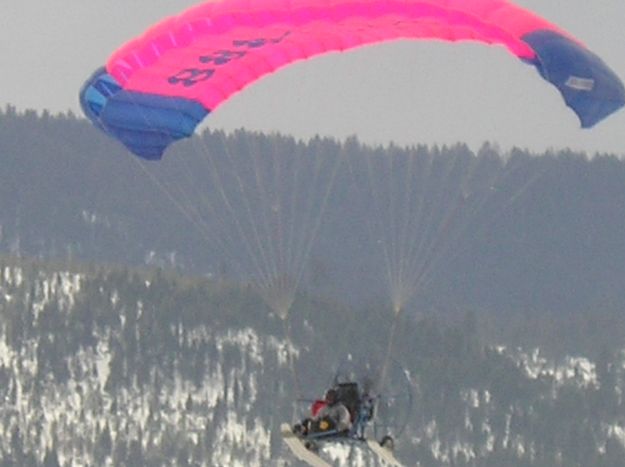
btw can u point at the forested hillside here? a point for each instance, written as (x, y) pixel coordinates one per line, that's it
(549, 239)
(137, 330)
(115, 366)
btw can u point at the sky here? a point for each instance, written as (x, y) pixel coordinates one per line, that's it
(407, 92)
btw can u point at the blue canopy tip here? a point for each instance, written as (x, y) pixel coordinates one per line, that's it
(586, 83)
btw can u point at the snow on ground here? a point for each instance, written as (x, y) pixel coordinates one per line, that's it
(579, 368)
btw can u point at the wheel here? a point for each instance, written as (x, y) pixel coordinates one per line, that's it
(311, 446)
(388, 443)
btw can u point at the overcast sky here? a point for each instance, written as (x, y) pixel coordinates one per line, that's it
(417, 92)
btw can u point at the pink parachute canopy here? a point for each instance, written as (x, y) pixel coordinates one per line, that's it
(155, 89)
(217, 48)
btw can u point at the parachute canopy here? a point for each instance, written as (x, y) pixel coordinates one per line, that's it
(155, 89)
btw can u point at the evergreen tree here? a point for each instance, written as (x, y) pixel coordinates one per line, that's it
(51, 459)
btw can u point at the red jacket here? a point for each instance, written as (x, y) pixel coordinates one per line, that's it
(317, 406)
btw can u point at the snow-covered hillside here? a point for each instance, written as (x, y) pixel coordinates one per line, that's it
(113, 368)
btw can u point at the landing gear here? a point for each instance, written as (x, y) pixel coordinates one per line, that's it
(388, 443)
(384, 449)
(311, 446)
